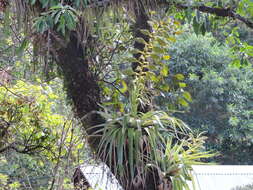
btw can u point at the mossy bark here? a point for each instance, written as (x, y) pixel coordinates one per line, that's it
(83, 89)
(80, 83)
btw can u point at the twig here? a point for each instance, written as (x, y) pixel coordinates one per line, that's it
(113, 85)
(59, 156)
(221, 12)
(1, 84)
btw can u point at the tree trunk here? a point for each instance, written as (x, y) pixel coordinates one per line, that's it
(83, 90)
(80, 83)
(141, 22)
(152, 181)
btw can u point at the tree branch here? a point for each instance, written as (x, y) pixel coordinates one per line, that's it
(24, 150)
(12, 146)
(221, 12)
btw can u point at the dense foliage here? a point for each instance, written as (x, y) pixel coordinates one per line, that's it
(45, 141)
(222, 104)
(134, 73)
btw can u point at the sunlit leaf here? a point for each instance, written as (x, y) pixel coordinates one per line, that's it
(166, 57)
(182, 84)
(179, 76)
(145, 32)
(187, 96)
(164, 71)
(183, 102)
(124, 87)
(140, 40)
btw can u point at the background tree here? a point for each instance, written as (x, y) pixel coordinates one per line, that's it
(221, 92)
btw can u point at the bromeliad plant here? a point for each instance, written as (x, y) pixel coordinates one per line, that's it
(139, 142)
(132, 139)
(134, 136)
(175, 164)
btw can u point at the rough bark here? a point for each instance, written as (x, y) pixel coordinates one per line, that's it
(80, 83)
(83, 90)
(141, 22)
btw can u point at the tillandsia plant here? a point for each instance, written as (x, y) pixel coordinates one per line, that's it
(131, 139)
(175, 164)
(149, 142)
(134, 135)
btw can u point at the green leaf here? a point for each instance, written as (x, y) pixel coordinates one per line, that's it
(141, 40)
(136, 51)
(155, 56)
(164, 71)
(77, 3)
(158, 50)
(187, 96)
(57, 17)
(182, 85)
(207, 24)
(145, 32)
(131, 150)
(165, 87)
(120, 146)
(124, 88)
(69, 20)
(59, 6)
(236, 63)
(44, 3)
(128, 72)
(183, 102)
(161, 41)
(197, 15)
(85, 3)
(23, 46)
(195, 25)
(61, 27)
(172, 39)
(153, 77)
(166, 57)
(132, 59)
(203, 29)
(188, 13)
(179, 76)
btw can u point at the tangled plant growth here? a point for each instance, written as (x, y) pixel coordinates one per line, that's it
(151, 70)
(31, 127)
(26, 117)
(74, 35)
(134, 135)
